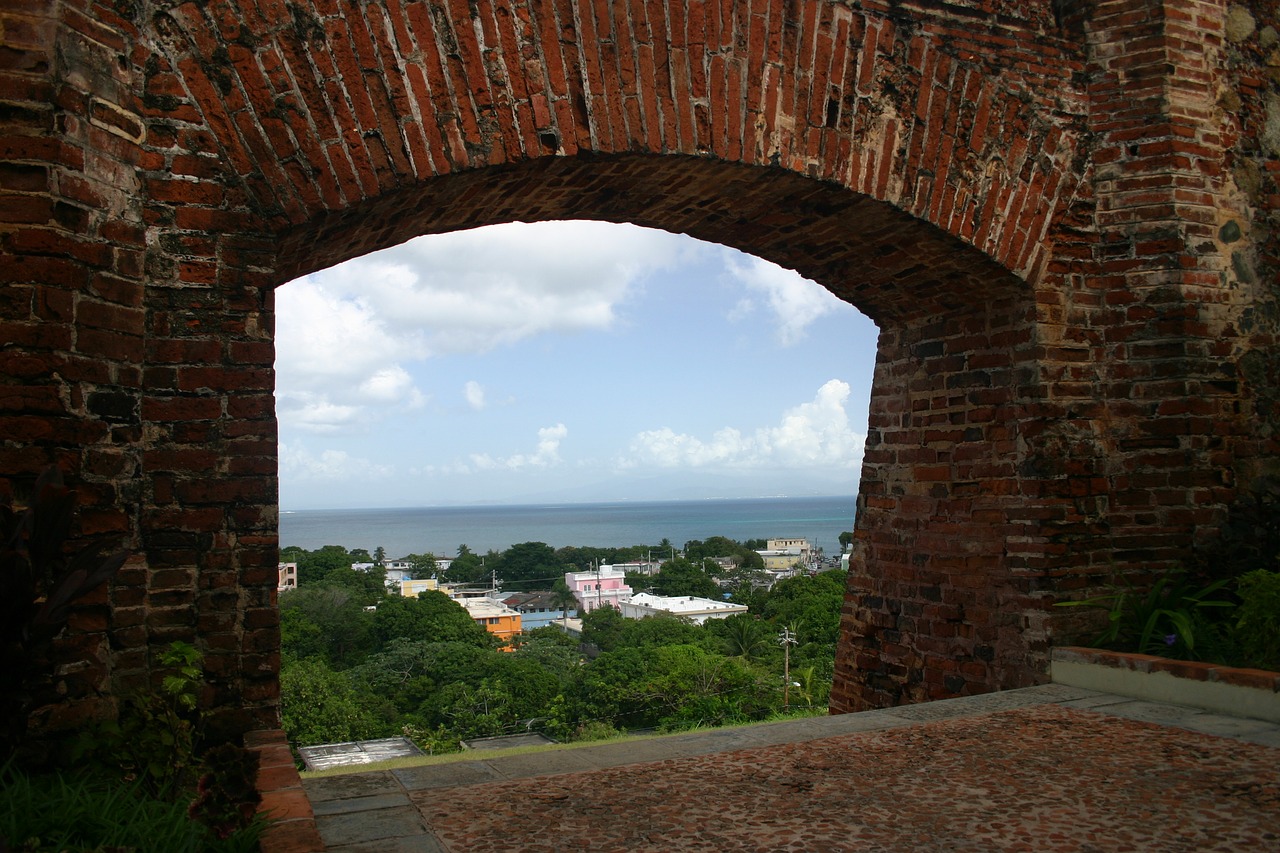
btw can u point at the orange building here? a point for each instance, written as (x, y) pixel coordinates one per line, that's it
(495, 617)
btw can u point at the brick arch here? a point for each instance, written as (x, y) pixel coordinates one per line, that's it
(887, 263)
(1047, 212)
(316, 110)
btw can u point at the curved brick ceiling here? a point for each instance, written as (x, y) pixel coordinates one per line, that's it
(333, 121)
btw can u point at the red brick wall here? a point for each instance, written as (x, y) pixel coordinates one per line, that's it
(1034, 206)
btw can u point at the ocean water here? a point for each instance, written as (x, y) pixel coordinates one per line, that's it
(440, 530)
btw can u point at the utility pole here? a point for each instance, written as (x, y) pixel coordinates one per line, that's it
(787, 639)
(595, 564)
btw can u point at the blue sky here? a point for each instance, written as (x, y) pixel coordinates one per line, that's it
(565, 361)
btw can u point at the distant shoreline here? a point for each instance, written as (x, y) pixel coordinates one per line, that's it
(441, 530)
(556, 504)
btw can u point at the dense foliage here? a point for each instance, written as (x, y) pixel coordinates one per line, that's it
(152, 777)
(359, 662)
(1222, 607)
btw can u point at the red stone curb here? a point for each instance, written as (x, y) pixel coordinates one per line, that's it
(1257, 679)
(284, 802)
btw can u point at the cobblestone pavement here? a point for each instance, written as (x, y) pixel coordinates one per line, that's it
(1043, 769)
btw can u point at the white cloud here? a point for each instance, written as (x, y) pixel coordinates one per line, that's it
(472, 291)
(794, 300)
(391, 385)
(813, 434)
(474, 393)
(345, 335)
(299, 464)
(315, 413)
(546, 455)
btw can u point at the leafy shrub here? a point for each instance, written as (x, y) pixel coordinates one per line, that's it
(227, 794)
(594, 730)
(1257, 630)
(153, 738)
(152, 746)
(1162, 621)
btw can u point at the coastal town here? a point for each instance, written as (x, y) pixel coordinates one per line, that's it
(563, 645)
(508, 614)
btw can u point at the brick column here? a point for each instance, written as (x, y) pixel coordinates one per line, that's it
(1114, 440)
(1158, 310)
(71, 312)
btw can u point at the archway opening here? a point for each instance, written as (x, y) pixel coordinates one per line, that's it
(934, 604)
(679, 415)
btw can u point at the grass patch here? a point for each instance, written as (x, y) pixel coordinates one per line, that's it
(485, 754)
(57, 812)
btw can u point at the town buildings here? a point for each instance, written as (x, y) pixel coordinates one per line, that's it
(696, 610)
(605, 585)
(410, 587)
(494, 616)
(538, 609)
(288, 577)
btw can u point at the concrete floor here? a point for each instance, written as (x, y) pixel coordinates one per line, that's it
(1043, 768)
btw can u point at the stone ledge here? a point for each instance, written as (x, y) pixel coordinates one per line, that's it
(1239, 692)
(284, 802)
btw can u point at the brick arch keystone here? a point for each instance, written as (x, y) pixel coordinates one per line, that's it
(1056, 214)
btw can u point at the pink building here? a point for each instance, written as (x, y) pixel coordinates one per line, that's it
(607, 585)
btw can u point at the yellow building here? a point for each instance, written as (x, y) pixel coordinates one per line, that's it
(781, 559)
(410, 588)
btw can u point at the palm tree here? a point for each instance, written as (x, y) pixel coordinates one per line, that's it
(744, 637)
(564, 598)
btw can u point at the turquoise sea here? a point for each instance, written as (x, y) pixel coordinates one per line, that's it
(440, 530)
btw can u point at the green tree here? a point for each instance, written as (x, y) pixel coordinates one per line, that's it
(602, 628)
(563, 597)
(528, 565)
(662, 629)
(692, 687)
(638, 581)
(675, 686)
(553, 650)
(582, 559)
(846, 539)
(368, 587)
(423, 566)
(743, 636)
(431, 617)
(327, 622)
(314, 565)
(612, 690)
(318, 705)
(379, 556)
(467, 567)
(742, 580)
(810, 601)
(681, 577)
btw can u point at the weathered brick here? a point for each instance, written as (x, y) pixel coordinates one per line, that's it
(1011, 197)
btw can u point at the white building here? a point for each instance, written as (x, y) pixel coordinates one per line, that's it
(288, 577)
(639, 568)
(402, 571)
(697, 610)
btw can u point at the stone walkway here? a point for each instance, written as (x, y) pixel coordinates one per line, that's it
(1050, 768)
